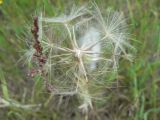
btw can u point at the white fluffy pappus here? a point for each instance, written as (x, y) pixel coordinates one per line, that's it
(91, 35)
(76, 60)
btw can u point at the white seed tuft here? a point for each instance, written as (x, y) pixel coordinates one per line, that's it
(81, 53)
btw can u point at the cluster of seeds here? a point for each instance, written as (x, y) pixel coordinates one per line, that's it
(75, 52)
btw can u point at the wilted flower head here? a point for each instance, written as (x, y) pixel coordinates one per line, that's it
(74, 56)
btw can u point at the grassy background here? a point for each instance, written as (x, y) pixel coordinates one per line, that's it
(138, 100)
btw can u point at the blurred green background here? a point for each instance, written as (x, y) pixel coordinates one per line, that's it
(139, 99)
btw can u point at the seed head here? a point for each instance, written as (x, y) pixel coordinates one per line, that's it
(79, 50)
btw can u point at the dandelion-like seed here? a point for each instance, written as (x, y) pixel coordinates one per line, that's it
(76, 51)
